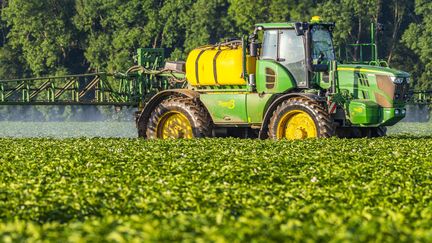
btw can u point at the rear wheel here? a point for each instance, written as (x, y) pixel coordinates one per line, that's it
(300, 118)
(179, 118)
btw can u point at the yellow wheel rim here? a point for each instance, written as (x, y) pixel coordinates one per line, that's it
(174, 124)
(296, 124)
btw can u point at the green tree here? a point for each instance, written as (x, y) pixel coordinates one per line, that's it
(41, 37)
(352, 18)
(43, 31)
(205, 23)
(114, 29)
(245, 14)
(12, 63)
(418, 37)
(290, 10)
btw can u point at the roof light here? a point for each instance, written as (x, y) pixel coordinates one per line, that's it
(397, 80)
(316, 19)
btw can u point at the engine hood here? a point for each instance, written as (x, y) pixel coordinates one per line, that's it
(372, 70)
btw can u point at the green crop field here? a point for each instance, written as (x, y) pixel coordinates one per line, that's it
(221, 190)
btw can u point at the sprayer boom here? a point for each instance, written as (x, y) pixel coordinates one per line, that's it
(136, 85)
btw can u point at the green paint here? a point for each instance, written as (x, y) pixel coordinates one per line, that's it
(276, 25)
(226, 108)
(389, 117)
(324, 84)
(363, 112)
(257, 106)
(247, 108)
(282, 81)
(151, 57)
(360, 83)
(372, 70)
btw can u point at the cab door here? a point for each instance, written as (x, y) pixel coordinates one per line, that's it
(282, 64)
(292, 55)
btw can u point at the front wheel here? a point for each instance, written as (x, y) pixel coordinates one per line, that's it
(300, 118)
(179, 118)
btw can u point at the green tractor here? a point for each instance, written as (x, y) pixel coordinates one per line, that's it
(282, 82)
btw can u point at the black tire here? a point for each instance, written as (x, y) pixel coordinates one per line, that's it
(319, 115)
(195, 113)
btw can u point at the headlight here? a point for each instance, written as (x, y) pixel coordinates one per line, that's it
(408, 80)
(397, 112)
(397, 80)
(403, 112)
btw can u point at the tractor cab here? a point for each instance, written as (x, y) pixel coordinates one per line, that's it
(301, 51)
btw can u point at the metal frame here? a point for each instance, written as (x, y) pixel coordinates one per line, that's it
(94, 88)
(132, 88)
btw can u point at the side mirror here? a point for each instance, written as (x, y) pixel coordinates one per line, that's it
(320, 68)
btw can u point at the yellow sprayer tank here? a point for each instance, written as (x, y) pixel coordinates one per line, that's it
(218, 65)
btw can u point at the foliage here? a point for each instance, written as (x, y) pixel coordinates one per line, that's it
(12, 63)
(42, 30)
(418, 38)
(245, 14)
(41, 37)
(209, 190)
(352, 17)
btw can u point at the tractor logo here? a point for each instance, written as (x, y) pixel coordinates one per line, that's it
(227, 104)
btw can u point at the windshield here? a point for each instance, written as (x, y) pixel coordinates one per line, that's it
(322, 43)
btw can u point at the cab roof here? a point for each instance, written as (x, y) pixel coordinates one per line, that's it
(276, 25)
(287, 25)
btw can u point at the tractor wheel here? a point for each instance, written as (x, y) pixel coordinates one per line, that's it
(179, 118)
(300, 118)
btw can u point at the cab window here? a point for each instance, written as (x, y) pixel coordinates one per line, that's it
(270, 42)
(292, 55)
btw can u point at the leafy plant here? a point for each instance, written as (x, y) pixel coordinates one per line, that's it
(215, 190)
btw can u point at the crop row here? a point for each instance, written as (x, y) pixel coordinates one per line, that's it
(215, 190)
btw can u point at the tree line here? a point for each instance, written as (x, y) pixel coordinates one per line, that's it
(55, 37)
